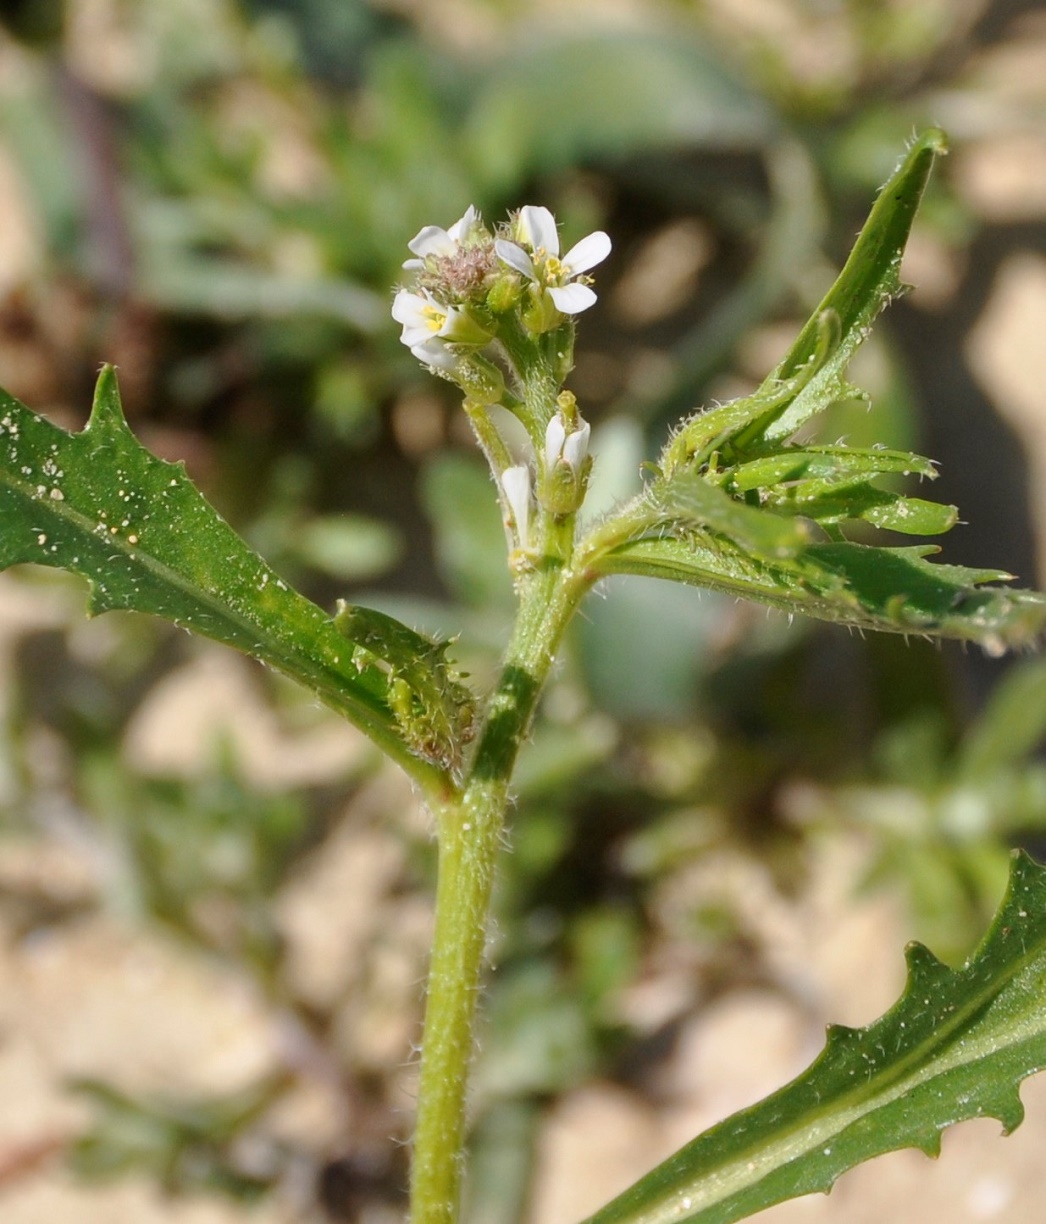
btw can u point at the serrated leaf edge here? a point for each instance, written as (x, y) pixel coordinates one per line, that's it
(700, 1200)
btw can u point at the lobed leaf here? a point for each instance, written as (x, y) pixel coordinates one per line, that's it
(735, 507)
(889, 589)
(97, 503)
(955, 1046)
(811, 376)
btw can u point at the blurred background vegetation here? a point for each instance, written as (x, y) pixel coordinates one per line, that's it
(216, 196)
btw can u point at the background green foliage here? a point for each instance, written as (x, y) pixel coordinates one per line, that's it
(220, 196)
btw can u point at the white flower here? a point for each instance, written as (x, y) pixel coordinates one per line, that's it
(562, 279)
(515, 486)
(424, 324)
(425, 318)
(562, 447)
(432, 240)
(435, 354)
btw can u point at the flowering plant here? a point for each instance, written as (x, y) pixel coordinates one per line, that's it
(735, 503)
(484, 307)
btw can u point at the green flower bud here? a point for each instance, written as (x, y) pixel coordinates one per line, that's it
(539, 313)
(480, 379)
(504, 293)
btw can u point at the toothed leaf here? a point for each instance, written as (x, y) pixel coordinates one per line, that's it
(956, 1045)
(829, 503)
(690, 502)
(97, 503)
(888, 589)
(716, 513)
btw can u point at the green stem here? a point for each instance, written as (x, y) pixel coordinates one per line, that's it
(469, 835)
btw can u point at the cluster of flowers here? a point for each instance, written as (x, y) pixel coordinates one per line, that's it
(466, 277)
(466, 280)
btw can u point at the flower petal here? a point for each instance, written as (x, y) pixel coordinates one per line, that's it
(420, 315)
(461, 327)
(555, 437)
(515, 257)
(572, 299)
(515, 485)
(460, 228)
(408, 308)
(432, 240)
(435, 354)
(537, 226)
(587, 253)
(575, 448)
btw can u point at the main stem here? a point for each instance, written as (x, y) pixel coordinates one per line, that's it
(469, 834)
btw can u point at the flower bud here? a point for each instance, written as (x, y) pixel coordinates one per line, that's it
(504, 293)
(566, 462)
(480, 379)
(539, 313)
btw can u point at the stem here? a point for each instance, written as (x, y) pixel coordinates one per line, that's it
(469, 835)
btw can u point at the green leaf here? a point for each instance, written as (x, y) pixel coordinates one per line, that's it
(828, 463)
(435, 710)
(828, 502)
(956, 1046)
(889, 589)
(735, 507)
(691, 501)
(810, 377)
(867, 283)
(726, 433)
(136, 528)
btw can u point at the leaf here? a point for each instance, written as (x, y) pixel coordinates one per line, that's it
(955, 1046)
(889, 589)
(728, 481)
(138, 530)
(435, 710)
(828, 463)
(731, 427)
(827, 502)
(868, 282)
(810, 377)
(690, 501)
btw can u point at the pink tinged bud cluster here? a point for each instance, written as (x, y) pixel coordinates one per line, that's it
(536, 257)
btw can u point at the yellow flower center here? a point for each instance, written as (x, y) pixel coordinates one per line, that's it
(434, 318)
(555, 272)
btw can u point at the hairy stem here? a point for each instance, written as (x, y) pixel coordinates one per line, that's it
(469, 834)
